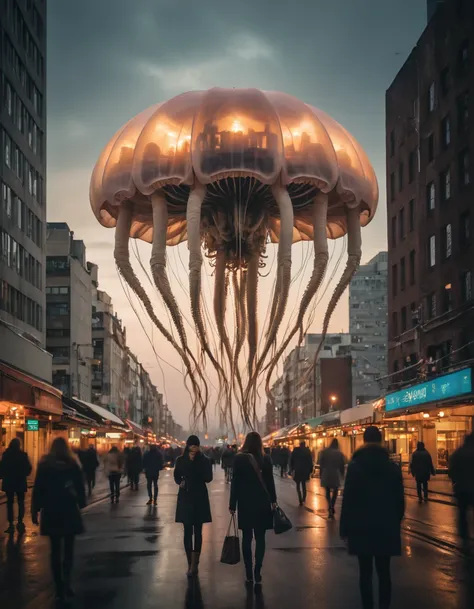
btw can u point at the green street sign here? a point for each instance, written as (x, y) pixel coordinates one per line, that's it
(32, 425)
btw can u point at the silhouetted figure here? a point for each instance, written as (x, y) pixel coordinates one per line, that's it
(114, 467)
(90, 463)
(301, 464)
(372, 510)
(15, 467)
(284, 458)
(152, 466)
(58, 497)
(331, 462)
(461, 472)
(193, 471)
(421, 468)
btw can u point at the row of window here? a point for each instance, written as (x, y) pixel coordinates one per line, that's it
(446, 80)
(25, 39)
(447, 240)
(60, 354)
(56, 290)
(20, 306)
(22, 216)
(22, 119)
(399, 273)
(35, 18)
(57, 265)
(57, 309)
(24, 77)
(16, 257)
(15, 160)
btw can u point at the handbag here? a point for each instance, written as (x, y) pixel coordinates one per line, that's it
(231, 549)
(281, 522)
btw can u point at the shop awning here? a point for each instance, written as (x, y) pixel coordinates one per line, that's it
(19, 388)
(363, 412)
(71, 414)
(137, 429)
(103, 413)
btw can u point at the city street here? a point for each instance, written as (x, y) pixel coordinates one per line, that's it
(131, 556)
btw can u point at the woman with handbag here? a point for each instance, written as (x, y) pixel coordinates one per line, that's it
(253, 495)
(192, 472)
(59, 495)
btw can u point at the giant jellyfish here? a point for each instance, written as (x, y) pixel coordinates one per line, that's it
(233, 171)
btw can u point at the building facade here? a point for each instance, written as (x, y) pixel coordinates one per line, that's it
(430, 198)
(368, 327)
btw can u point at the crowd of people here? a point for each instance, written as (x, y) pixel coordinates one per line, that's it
(372, 510)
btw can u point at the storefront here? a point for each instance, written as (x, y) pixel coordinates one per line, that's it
(29, 408)
(439, 412)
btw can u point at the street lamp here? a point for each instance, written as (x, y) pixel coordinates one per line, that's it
(333, 399)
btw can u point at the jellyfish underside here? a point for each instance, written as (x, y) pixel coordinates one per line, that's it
(230, 221)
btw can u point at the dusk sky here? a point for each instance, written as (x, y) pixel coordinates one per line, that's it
(110, 59)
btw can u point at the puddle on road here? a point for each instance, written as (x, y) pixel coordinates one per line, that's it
(113, 564)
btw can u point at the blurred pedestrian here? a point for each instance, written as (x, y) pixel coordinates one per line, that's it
(135, 466)
(59, 496)
(372, 511)
(253, 495)
(192, 472)
(152, 466)
(90, 463)
(461, 472)
(15, 467)
(301, 464)
(331, 463)
(126, 456)
(228, 457)
(421, 468)
(284, 458)
(114, 468)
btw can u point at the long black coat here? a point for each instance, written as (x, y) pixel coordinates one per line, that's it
(134, 461)
(15, 467)
(301, 464)
(422, 465)
(248, 496)
(152, 463)
(59, 495)
(373, 503)
(193, 505)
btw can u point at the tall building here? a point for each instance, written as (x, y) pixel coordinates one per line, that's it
(69, 288)
(22, 188)
(430, 198)
(368, 311)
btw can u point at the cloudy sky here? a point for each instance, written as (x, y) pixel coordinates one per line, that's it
(110, 59)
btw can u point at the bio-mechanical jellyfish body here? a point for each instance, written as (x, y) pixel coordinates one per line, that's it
(232, 171)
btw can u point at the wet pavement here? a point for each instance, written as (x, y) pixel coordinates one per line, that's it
(131, 557)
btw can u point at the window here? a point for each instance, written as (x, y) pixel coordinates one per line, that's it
(463, 111)
(431, 150)
(394, 231)
(392, 187)
(411, 215)
(7, 150)
(447, 241)
(394, 280)
(447, 298)
(60, 354)
(466, 286)
(412, 166)
(445, 81)
(401, 224)
(400, 177)
(431, 97)
(412, 267)
(394, 324)
(392, 142)
(432, 251)
(465, 229)
(7, 203)
(430, 196)
(446, 131)
(57, 265)
(402, 274)
(463, 56)
(431, 305)
(464, 175)
(445, 184)
(54, 309)
(403, 319)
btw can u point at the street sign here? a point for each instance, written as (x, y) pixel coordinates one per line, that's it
(32, 425)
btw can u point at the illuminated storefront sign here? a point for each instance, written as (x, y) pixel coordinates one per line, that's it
(442, 388)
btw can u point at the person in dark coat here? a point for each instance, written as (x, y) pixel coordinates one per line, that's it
(284, 458)
(253, 495)
(152, 466)
(192, 472)
(15, 467)
(332, 464)
(461, 472)
(58, 497)
(421, 468)
(301, 464)
(372, 511)
(134, 467)
(90, 463)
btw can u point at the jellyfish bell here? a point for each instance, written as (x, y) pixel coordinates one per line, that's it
(231, 171)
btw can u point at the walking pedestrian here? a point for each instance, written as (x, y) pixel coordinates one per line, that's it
(421, 468)
(90, 463)
(228, 463)
(301, 464)
(135, 466)
(152, 466)
(461, 472)
(114, 467)
(253, 495)
(331, 464)
(372, 511)
(15, 467)
(59, 496)
(193, 471)
(284, 458)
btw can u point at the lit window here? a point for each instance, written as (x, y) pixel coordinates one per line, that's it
(431, 97)
(431, 196)
(432, 251)
(446, 131)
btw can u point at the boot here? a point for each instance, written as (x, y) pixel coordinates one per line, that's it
(195, 562)
(189, 557)
(248, 573)
(258, 575)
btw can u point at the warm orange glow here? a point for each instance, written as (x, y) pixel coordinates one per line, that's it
(236, 126)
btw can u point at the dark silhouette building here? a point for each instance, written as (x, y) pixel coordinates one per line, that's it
(430, 198)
